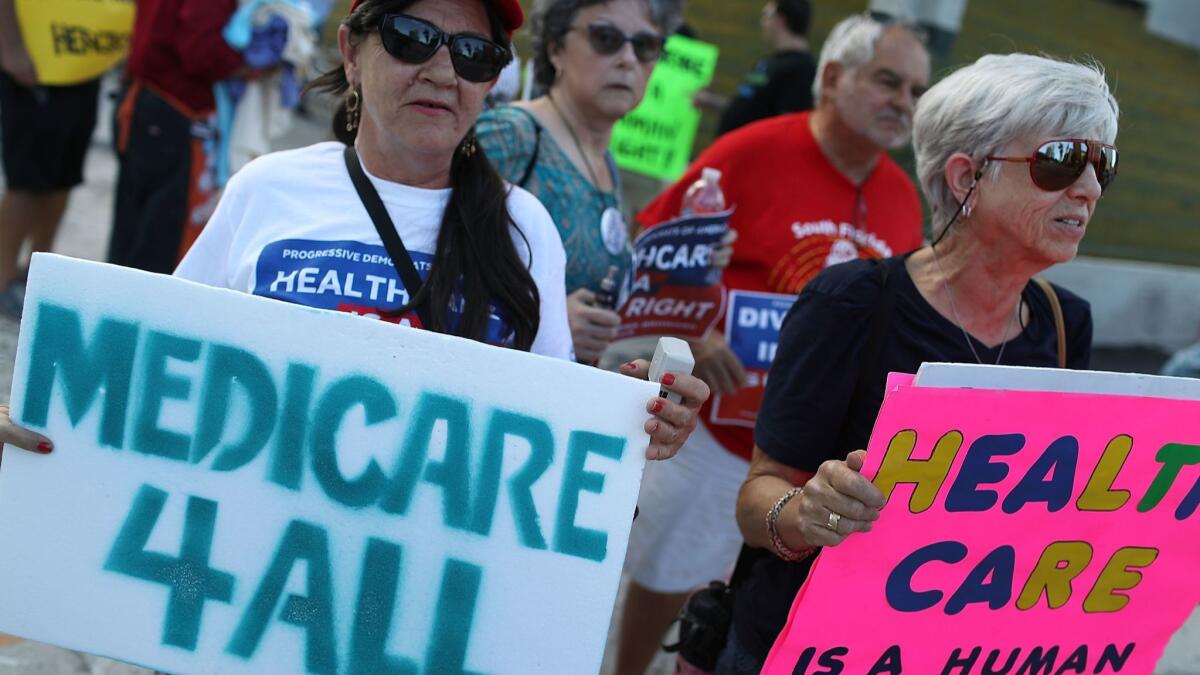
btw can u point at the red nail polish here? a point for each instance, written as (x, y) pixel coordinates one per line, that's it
(668, 379)
(657, 407)
(628, 365)
(44, 447)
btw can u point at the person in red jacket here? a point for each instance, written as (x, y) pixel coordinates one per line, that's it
(164, 119)
(809, 190)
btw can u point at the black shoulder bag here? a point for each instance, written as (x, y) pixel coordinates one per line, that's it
(401, 260)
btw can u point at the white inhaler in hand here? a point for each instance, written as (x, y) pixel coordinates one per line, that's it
(672, 355)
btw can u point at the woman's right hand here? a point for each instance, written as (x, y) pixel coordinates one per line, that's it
(723, 254)
(11, 434)
(592, 328)
(838, 488)
(717, 365)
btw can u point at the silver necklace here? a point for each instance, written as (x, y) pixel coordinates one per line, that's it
(958, 321)
(613, 232)
(587, 163)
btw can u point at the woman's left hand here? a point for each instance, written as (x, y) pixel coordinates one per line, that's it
(672, 422)
(11, 434)
(592, 328)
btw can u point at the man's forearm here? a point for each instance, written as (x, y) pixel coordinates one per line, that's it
(10, 30)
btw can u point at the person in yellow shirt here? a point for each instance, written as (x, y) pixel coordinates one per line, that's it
(45, 130)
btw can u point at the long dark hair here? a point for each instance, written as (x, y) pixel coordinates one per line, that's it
(475, 252)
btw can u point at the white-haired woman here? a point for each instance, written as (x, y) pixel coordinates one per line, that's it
(1013, 154)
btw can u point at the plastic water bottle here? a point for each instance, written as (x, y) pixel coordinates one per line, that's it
(704, 196)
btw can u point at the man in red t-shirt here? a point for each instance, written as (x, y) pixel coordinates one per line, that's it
(808, 190)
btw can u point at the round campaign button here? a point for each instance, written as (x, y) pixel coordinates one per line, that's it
(614, 232)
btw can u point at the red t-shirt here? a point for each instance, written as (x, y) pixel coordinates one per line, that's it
(795, 214)
(177, 49)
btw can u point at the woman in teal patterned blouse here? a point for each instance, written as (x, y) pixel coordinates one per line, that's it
(593, 58)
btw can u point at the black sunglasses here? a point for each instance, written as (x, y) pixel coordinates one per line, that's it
(1056, 165)
(608, 40)
(413, 40)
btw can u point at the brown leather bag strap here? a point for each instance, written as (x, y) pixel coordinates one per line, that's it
(1059, 324)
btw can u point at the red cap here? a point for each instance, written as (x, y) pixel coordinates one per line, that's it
(511, 14)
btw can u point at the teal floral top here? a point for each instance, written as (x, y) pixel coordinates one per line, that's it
(590, 222)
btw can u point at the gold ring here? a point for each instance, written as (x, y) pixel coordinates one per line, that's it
(831, 523)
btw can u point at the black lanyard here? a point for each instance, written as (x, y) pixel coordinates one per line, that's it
(387, 232)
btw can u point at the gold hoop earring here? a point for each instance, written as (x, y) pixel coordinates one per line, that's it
(353, 103)
(467, 147)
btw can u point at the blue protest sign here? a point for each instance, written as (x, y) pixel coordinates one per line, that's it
(752, 330)
(675, 289)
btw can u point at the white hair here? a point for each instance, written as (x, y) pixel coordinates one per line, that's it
(852, 43)
(984, 106)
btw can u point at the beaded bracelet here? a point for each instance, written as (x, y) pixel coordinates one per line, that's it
(781, 549)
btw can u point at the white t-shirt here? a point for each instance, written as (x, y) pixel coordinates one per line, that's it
(291, 226)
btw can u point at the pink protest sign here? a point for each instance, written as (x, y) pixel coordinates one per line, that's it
(1025, 532)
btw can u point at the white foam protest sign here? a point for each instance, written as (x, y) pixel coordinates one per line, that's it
(240, 485)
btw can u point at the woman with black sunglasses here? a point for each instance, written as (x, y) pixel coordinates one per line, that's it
(1013, 153)
(593, 59)
(403, 219)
